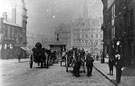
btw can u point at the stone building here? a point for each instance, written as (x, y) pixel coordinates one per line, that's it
(82, 33)
(119, 25)
(87, 34)
(63, 34)
(13, 20)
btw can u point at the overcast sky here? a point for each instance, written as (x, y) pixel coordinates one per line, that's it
(44, 15)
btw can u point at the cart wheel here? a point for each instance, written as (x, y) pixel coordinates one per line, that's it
(42, 64)
(31, 64)
(66, 64)
(31, 61)
(47, 65)
(66, 68)
(47, 62)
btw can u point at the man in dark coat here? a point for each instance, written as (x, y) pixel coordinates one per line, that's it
(77, 63)
(111, 64)
(89, 64)
(119, 67)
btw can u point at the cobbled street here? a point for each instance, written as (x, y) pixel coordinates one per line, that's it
(19, 74)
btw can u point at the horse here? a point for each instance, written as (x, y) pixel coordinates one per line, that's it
(82, 56)
(76, 61)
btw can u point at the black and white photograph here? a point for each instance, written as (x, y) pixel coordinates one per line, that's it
(67, 42)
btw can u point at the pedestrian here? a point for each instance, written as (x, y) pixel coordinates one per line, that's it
(119, 68)
(107, 57)
(89, 64)
(111, 64)
(97, 57)
(77, 62)
(19, 57)
(82, 54)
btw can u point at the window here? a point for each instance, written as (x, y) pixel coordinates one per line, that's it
(82, 41)
(113, 12)
(91, 35)
(131, 19)
(6, 31)
(113, 32)
(86, 41)
(82, 35)
(86, 35)
(101, 36)
(96, 35)
(78, 35)
(96, 42)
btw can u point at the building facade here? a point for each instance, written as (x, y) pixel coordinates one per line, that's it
(63, 34)
(13, 29)
(82, 33)
(119, 25)
(106, 27)
(87, 34)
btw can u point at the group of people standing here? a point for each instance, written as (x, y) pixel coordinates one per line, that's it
(118, 63)
(77, 58)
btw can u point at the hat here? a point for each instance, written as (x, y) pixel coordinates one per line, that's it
(38, 45)
(117, 56)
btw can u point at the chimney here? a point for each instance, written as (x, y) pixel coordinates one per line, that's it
(14, 15)
(5, 16)
(1, 21)
(85, 9)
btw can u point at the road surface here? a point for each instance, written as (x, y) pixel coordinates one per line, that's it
(19, 74)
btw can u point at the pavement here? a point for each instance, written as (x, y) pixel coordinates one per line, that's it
(19, 74)
(126, 80)
(8, 61)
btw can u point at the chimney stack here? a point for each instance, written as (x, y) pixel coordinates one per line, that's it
(5, 16)
(14, 15)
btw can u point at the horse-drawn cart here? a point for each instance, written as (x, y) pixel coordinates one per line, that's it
(39, 56)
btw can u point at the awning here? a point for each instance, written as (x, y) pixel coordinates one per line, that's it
(26, 49)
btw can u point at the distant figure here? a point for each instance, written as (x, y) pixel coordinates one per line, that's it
(111, 64)
(19, 56)
(107, 57)
(119, 68)
(97, 57)
(82, 54)
(89, 64)
(63, 57)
